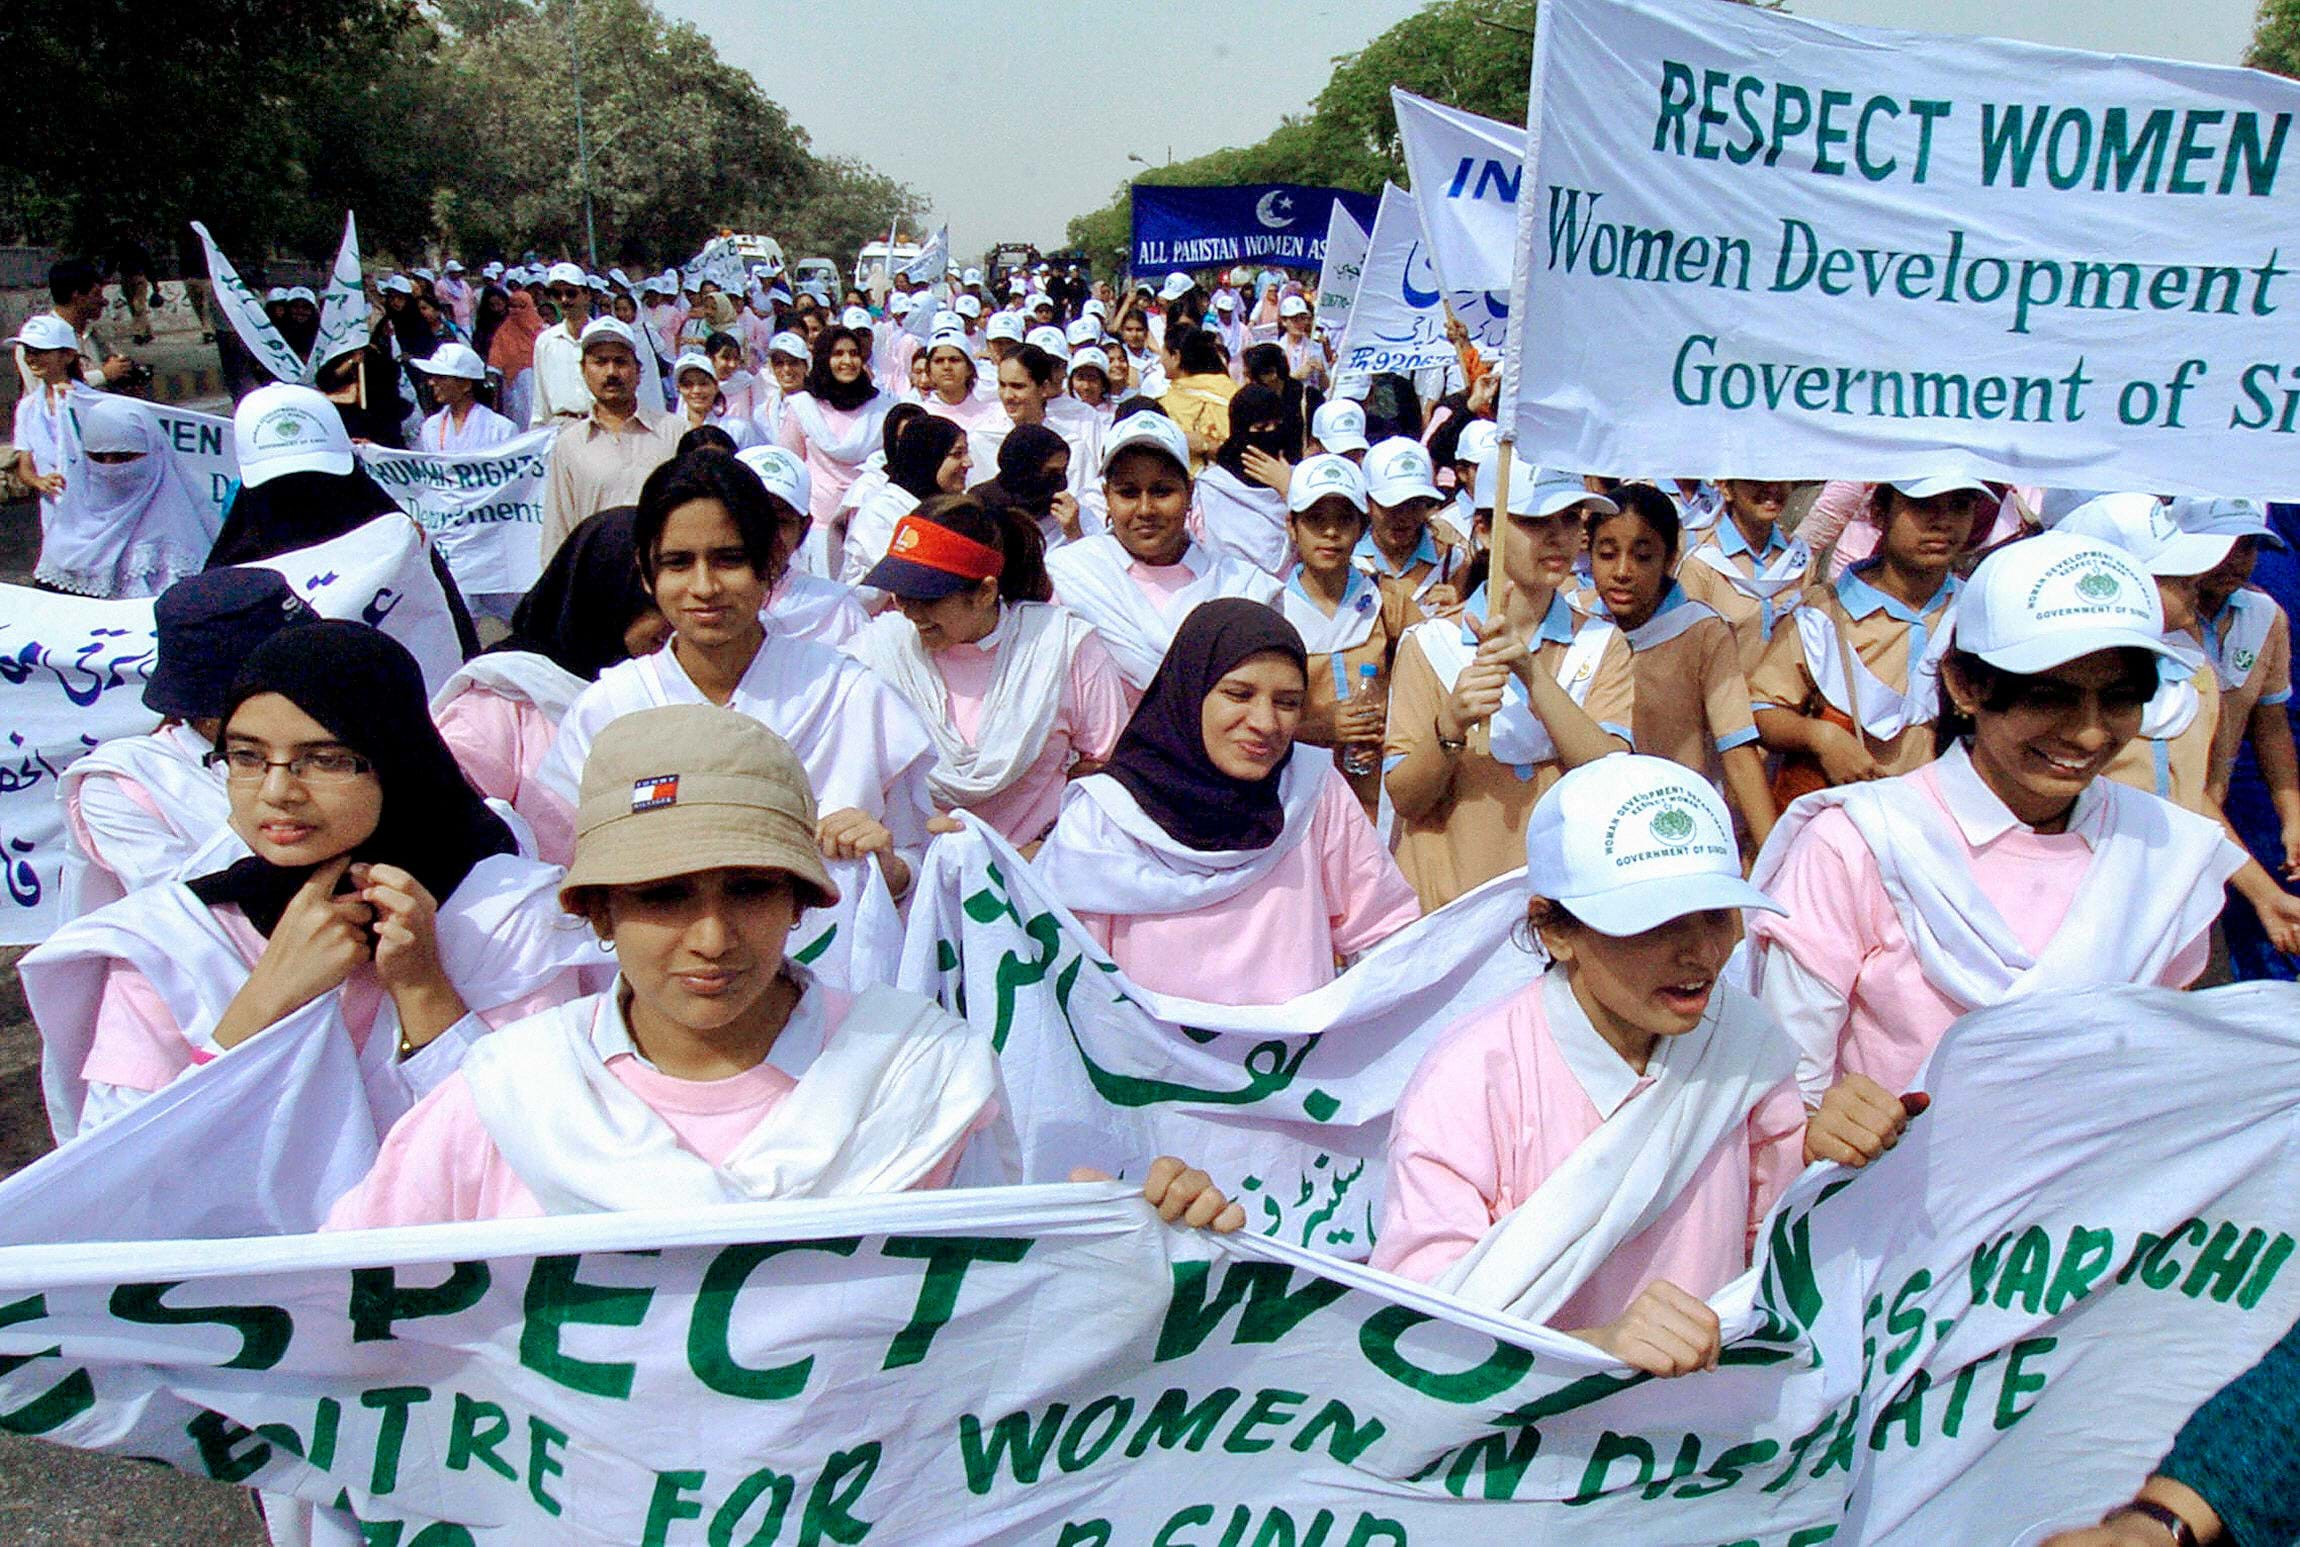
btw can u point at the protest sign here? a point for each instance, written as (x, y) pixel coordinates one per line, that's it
(72, 674)
(1338, 278)
(483, 508)
(1285, 1105)
(933, 260)
(1274, 223)
(1996, 1327)
(720, 262)
(1465, 172)
(1804, 250)
(1398, 315)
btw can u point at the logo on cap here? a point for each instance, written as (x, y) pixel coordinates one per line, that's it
(2098, 584)
(654, 792)
(1673, 825)
(286, 427)
(906, 539)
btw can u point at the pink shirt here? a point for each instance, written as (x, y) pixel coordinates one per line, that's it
(438, 1164)
(1498, 1104)
(830, 477)
(500, 742)
(1842, 928)
(1093, 712)
(1335, 893)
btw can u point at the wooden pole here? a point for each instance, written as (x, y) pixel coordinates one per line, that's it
(1496, 573)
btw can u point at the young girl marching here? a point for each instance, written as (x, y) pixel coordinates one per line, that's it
(2009, 866)
(1745, 566)
(1018, 694)
(1489, 709)
(1215, 858)
(1692, 700)
(1596, 1151)
(716, 1070)
(1402, 547)
(1848, 689)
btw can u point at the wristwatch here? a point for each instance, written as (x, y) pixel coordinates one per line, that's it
(1450, 745)
(2183, 1534)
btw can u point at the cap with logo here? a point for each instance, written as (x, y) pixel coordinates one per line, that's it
(399, 284)
(693, 360)
(1326, 476)
(2049, 599)
(856, 317)
(1399, 469)
(785, 476)
(1006, 325)
(1084, 331)
(1090, 358)
(1477, 441)
(971, 277)
(791, 346)
(1224, 301)
(609, 330)
(1293, 306)
(1339, 425)
(2223, 516)
(1177, 286)
(2143, 526)
(967, 306)
(45, 330)
(1629, 842)
(1037, 301)
(1048, 339)
(284, 428)
(926, 561)
(453, 359)
(563, 274)
(1535, 491)
(900, 304)
(690, 787)
(1147, 432)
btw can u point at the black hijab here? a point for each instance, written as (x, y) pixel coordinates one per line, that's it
(1161, 758)
(1252, 406)
(296, 510)
(578, 609)
(917, 451)
(368, 691)
(845, 396)
(1022, 483)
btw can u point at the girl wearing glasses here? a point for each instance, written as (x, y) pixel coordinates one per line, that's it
(375, 879)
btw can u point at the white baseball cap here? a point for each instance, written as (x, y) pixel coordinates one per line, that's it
(1629, 842)
(427, 274)
(1339, 425)
(949, 338)
(272, 297)
(1177, 286)
(1293, 306)
(900, 303)
(2046, 600)
(2142, 525)
(1535, 491)
(1094, 308)
(46, 330)
(608, 330)
(790, 346)
(1038, 300)
(1927, 488)
(971, 277)
(454, 266)
(1326, 476)
(1090, 356)
(1048, 339)
(283, 429)
(692, 360)
(453, 359)
(563, 274)
(302, 293)
(2225, 516)
(493, 270)
(1477, 441)
(1147, 432)
(1005, 325)
(1224, 301)
(855, 317)
(785, 476)
(967, 306)
(1084, 331)
(398, 282)
(1399, 469)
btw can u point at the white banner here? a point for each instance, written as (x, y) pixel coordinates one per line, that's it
(343, 310)
(933, 260)
(1804, 250)
(720, 262)
(1286, 1105)
(1995, 1329)
(72, 674)
(1398, 316)
(1338, 277)
(1465, 172)
(483, 508)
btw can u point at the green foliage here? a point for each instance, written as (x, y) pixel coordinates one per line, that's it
(1473, 54)
(2276, 38)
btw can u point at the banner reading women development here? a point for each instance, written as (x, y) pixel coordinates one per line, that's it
(1997, 1327)
(1283, 224)
(1762, 246)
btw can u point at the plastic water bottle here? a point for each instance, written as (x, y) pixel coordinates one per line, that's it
(1360, 758)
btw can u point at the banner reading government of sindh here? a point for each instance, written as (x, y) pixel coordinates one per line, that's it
(1259, 223)
(1804, 250)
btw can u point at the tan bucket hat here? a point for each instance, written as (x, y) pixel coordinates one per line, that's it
(690, 787)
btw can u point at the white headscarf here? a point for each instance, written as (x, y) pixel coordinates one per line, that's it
(128, 528)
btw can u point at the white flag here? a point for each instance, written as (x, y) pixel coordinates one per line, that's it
(933, 260)
(246, 311)
(1465, 172)
(1398, 316)
(1345, 262)
(342, 305)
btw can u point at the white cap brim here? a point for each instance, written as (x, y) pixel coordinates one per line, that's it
(1343, 440)
(1930, 488)
(2046, 651)
(2190, 553)
(1398, 491)
(257, 474)
(1642, 905)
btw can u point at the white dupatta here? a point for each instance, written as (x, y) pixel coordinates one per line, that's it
(895, 1088)
(1515, 734)
(1018, 710)
(849, 447)
(519, 675)
(1848, 686)
(1245, 520)
(1091, 579)
(1624, 1177)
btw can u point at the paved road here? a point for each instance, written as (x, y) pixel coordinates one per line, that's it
(49, 1496)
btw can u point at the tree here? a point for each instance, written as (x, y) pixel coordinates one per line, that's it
(2276, 38)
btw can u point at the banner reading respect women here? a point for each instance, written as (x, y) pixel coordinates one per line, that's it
(1760, 246)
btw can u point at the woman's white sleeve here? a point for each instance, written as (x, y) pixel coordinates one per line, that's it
(1811, 1011)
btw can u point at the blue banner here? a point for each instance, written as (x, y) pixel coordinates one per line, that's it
(1282, 224)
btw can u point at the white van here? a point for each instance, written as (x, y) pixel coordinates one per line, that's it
(759, 249)
(877, 255)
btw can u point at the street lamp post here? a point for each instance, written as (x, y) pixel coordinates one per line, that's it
(582, 137)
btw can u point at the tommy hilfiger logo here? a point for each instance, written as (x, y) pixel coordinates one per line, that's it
(653, 793)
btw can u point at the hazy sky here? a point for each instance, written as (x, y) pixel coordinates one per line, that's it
(1013, 117)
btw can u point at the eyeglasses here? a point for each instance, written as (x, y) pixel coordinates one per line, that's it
(321, 765)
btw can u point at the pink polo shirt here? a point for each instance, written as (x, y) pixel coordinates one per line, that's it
(1842, 929)
(1335, 893)
(500, 743)
(438, 1165)
(1504, 1097)
(1093, 712)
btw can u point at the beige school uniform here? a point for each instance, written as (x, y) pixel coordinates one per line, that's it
(1435, 562)
(2173, 757)
(1886, 635)
(1752, 591)
(1692, 699)
(1476, 830)
(2251, 648)
(1334, 676)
